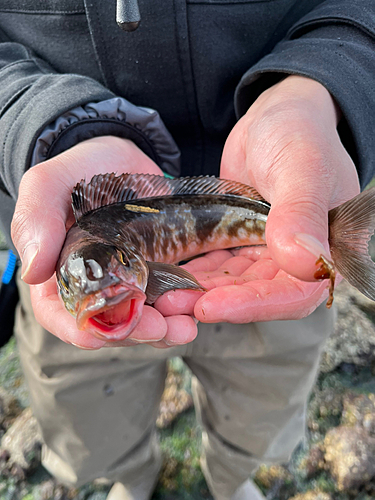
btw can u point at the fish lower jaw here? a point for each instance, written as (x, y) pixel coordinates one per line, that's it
(113, 322)
(114, 331)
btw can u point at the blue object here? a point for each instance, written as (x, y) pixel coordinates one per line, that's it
(10, 269)
(8, 299)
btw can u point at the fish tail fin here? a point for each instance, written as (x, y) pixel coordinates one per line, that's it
(351, 226)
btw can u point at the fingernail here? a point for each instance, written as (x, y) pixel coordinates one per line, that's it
(145, 341)
(169, 343)
(84, 348)
(28, 256)
(311, 244)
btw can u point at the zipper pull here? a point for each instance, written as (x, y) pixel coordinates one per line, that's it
(127, 14)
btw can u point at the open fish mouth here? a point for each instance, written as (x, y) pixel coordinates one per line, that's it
(111, 314)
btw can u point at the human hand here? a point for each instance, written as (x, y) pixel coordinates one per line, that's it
(43, 215)
(287, 147)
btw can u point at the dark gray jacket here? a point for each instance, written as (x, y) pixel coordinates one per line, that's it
(185, 60)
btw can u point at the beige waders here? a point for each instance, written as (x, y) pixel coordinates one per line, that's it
(97, 409)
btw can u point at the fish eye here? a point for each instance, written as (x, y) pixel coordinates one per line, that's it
(94, 270)
(122, 257)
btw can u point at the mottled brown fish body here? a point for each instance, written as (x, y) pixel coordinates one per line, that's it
(175, 228)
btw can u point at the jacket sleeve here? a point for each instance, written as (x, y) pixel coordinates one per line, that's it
(116, 116)
(335, 45)
(33, 96)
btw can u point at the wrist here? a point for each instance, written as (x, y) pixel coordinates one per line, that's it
(301, 96)
(315, 93)
(289, 136)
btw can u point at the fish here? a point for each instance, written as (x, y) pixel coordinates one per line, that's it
(131, 230)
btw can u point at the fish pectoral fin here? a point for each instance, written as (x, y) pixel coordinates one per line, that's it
(165, 277)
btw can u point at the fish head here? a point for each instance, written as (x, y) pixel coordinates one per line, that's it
(103, 287)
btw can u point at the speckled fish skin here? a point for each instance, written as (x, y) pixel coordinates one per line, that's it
(131, 229)
(179, 227)
(115, 249)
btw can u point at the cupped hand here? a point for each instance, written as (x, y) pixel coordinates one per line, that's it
(244, 285)
(42, 216)
(288, 148)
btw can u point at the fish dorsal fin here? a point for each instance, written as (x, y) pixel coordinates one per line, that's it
(107, 189)
(213, 185)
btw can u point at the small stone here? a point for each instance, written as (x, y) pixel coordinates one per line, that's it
(314, 461)
(9, 408)
(4, 456)
(324, 409)
(349, 368)
(23, 442)
(350, 456)
(60, 493)
(174, 401)
(72, 493)
(353, 340)
(359, 410)
(312, 495)
(46, 489)
(17, 472)
(267, 476)
(169, 473)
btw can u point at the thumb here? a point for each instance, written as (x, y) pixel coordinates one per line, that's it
(43, 210)
(297, 226)
(38, 226)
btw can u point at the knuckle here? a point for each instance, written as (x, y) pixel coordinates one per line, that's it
(309, 210)
(19, 227)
